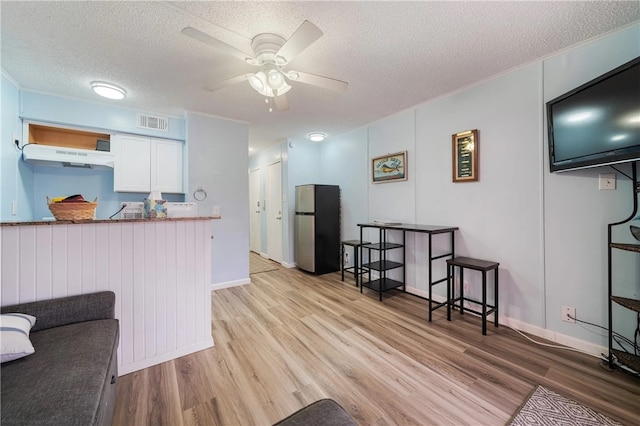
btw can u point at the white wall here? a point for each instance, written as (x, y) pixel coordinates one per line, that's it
(16, 177)
(217, 162)
(499, 216)
(346, 156)
(548, 231)
(576, 212)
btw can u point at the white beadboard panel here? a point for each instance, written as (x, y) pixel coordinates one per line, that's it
(88, 269)
(199, 277)
(10, 247)
(159, 271)
(181, 297)
(74, 258)
(27, 261)
(172, 290)
(150, 288)
(102, 258)
(192, 297)
(43, 262)
(139, 306)
(162, 309)
(127, 286)
(59, 281)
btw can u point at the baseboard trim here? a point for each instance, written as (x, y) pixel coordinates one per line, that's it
(562, 339)
(159, 359)
(227, 284)
(559, 338)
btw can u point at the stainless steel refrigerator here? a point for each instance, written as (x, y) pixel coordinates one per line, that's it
(317, 228)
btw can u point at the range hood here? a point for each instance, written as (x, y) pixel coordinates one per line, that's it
(57, 156)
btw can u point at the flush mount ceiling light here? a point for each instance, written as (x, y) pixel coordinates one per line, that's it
(317, 137)
(108, 90)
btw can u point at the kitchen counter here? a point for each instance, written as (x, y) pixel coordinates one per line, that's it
(159, 269)
(86, 221)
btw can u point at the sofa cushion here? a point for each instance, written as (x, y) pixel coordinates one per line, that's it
(325, 412)
(61, 383)
(14, 335)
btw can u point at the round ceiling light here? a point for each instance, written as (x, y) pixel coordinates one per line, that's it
(317, 137)
(108, 90)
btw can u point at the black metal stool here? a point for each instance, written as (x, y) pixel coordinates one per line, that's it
(355, 269)
(476, 265)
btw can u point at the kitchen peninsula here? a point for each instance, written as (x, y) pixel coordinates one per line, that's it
(159, 269)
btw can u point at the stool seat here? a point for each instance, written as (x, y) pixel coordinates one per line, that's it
(354, 243)
(355, 269)
(471, 263)
(483, 266)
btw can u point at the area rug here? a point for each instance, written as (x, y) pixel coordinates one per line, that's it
(545, 407)
(257, 264)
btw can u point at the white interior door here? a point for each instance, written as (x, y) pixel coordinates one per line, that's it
(274, 212)
(254, 210)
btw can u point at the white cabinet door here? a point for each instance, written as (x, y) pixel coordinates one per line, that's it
(143, 164)
(166, 166)
(132, 168)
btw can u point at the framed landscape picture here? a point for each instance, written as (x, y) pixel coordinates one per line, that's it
(465, 156)
(389, 168)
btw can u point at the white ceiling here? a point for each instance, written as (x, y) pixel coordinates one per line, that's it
(394, 55)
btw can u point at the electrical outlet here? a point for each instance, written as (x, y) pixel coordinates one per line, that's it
(607, 181)
(569, 314)
(346, 258)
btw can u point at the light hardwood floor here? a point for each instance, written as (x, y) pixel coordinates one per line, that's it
(290, 338)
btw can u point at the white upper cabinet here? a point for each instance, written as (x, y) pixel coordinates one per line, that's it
(166, 166)
(146, 164)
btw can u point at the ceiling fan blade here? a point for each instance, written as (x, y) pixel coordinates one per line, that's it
(302, 38)
(317, 80)
(212, 87)
(281, 103)
(215, 43)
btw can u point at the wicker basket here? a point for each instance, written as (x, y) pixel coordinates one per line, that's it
(73, 211)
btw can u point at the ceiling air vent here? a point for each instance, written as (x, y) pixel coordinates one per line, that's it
(152, 122)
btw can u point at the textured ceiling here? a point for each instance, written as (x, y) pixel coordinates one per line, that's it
(394, 55)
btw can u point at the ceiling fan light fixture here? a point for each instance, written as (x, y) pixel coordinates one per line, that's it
(282, 90)
(317, 137)
(258, 81)
(108, 90)
(275, 79)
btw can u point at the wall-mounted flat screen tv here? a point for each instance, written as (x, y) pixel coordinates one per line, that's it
(597, 123)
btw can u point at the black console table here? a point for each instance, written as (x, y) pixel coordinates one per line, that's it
(382, 265)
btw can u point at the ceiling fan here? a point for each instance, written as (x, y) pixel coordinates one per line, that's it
(271, 53)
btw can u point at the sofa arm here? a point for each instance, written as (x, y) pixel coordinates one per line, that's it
(67, 310)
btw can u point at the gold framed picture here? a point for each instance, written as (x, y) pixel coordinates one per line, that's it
(389, 168)
(465, 156)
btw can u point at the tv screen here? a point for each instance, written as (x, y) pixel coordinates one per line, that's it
(597, 123)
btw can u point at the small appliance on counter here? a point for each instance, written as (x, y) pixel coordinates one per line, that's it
(135, 210)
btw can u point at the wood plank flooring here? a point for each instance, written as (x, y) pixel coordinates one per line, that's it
(290, 338)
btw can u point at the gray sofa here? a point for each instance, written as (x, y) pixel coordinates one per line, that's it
(71, 377)
(325, 412)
